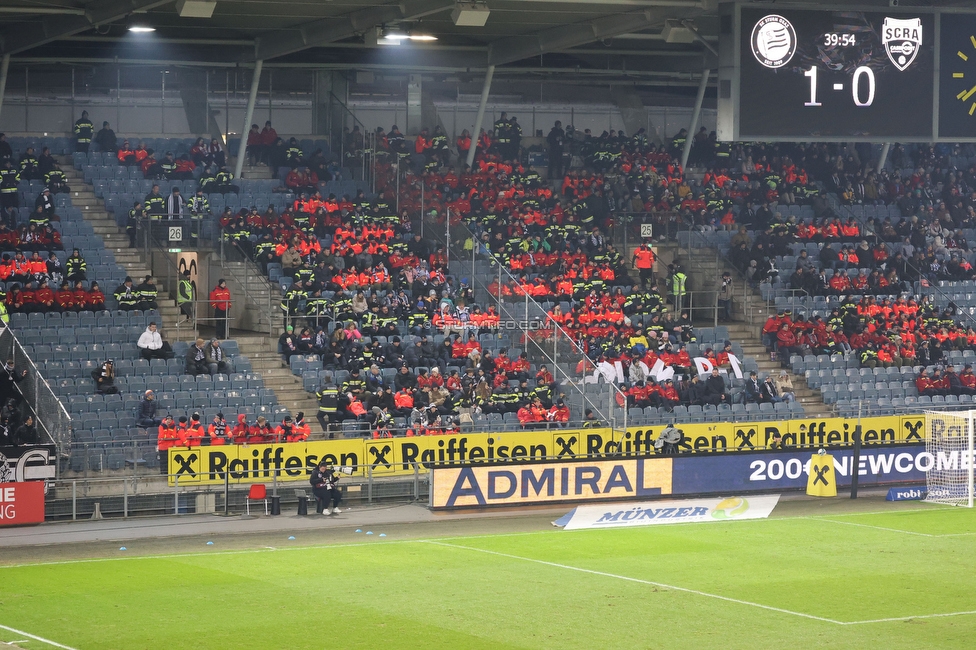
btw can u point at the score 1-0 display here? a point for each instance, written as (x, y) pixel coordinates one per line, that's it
(835, 74)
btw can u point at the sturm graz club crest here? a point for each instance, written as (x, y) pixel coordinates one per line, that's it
(773, 41)
(902, 40)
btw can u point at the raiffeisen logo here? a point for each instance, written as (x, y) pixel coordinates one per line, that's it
(730, 508)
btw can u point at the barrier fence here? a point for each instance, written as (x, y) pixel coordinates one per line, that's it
(52, 419)
(160, 494)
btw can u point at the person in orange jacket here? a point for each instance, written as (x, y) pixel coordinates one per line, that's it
(182, 433)
(240, 432)
(168, 437)
(219, 435)
(300, 431)
(220, 301)
(195, 433)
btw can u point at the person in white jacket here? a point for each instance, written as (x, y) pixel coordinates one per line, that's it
(152, 346)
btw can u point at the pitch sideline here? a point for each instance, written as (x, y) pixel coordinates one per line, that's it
(37, 638)
(696, 591)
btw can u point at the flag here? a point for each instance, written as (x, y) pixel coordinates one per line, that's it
(820, 482)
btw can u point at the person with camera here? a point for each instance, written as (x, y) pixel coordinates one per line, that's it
(725, 298)
(324, 482)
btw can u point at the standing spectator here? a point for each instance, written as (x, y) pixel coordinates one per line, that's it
(184, 298)
(220, 301)
(9, 379)
(254, 148)
(725, 293)
(555, 141)
(146, 416)
(26, 433)
(105, 139)
(84, 129)
(268, 137)
(105, 379)
(215, 358)
(152, 346)
(643, 261)
(218, 431)
(196, 359)
(175, 205)
(9, 177)
(168, 436)
(5, 151)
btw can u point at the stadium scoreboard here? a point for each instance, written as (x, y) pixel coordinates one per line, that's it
(846, 75)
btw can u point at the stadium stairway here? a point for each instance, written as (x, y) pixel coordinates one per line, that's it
(103, 224)
(263, 298)
(262, 351)
(750, 315)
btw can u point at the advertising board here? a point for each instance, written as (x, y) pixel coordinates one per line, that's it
(21, 503)
(403, 456)
(584, 480)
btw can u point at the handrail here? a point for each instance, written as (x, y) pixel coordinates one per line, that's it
(555, 327)
(249, 297)
(53, 418)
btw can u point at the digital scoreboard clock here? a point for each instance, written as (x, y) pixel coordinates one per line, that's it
(834, 75)
(902, 75)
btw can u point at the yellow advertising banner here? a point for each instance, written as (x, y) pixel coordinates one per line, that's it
(401, 455)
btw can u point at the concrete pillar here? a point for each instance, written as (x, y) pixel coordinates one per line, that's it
(248, 116)
(485, 89)
(414, 112)
(695, 114)
(4, 69)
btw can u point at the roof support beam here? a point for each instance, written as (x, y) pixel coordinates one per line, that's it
(329, 30)
(14, 40)
(516, 48)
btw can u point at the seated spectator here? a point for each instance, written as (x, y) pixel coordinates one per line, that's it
(152, 346)
(784, 386)
(753, 389)
(196, 359)
(146, 416)
(104, 378)
(215, 358)
(127, 295)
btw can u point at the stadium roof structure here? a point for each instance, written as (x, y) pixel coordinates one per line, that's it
(607, 35)
(649, 43)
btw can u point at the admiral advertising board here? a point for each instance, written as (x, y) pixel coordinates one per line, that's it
(582, 480)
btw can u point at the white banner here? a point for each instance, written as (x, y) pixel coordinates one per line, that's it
(669, 512)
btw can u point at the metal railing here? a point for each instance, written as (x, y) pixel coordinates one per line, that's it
(226, 253)
(544, 341)
(164, 494)
(53, 421)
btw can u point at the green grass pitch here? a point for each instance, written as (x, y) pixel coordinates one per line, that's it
(901, 579)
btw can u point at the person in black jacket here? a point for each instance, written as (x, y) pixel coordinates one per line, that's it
(146, 417)
(715, 392)
(26, 433)
(324, 486)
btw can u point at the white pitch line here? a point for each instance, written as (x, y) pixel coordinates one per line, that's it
(250, 551)
(910, 618)
(892, 530)
(37, 638)
(638, 580)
